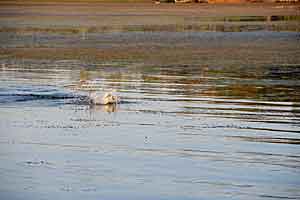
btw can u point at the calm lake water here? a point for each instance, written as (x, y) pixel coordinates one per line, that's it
(203, 115)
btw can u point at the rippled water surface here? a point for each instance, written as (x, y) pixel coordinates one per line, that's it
(203, 115)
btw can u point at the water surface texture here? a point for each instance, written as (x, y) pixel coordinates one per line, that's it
(203, 114)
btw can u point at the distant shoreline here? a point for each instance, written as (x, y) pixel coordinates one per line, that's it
(221, 2)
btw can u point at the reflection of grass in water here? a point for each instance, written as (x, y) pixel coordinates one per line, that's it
(157, 54)
(261, 92)
(156, 28)
(74, 53)
(247, 18)
(235, 19)
(286, 18)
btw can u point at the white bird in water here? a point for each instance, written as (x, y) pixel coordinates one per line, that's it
(98, 98)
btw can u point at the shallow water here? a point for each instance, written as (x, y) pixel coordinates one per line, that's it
(190, 124)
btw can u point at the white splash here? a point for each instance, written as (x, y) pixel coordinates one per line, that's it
(99, 98)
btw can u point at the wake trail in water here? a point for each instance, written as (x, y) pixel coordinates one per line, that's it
(50, 95)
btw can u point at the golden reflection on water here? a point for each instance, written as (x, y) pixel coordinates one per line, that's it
(265, 83)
